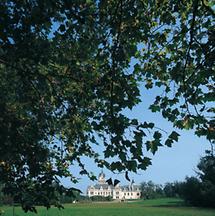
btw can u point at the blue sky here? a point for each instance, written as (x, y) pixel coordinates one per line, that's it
(168, 164)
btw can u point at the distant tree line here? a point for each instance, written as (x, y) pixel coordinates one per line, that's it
(196, 191)
(150, 190)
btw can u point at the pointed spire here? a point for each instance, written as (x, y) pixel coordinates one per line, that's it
(102, 178)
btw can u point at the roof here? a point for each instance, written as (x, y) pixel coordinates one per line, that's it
(130, 188)
(104, 186)
(123, 188)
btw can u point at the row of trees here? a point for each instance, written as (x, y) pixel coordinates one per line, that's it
(196, 191)
(150, 190)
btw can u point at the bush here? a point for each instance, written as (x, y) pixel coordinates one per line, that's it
(101, 198)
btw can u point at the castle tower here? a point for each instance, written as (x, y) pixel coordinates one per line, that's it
(101, 179)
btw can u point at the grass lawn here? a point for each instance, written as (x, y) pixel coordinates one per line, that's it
(158, 207)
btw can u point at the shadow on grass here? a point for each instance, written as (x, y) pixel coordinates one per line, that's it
(171, 204)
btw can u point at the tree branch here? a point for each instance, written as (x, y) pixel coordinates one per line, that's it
(195, 7)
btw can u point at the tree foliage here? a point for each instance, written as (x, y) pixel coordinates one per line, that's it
(174, 189)
(201, 191)
(150, 190)
(179, 57)
(66, 80)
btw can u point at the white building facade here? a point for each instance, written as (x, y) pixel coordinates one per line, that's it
(102, 188)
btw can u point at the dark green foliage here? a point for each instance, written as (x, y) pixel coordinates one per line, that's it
(71, 197)
(174, 189)
(206, 168)
(113, 182)
(201, 191)
(100, 198)
(150, 190)
(66, 80)
(192, 191)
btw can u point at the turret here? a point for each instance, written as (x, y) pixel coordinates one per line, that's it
(102, 178)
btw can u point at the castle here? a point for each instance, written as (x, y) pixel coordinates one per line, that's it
(102, 188)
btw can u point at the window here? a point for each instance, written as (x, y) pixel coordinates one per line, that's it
(98, 193)
(128, 194)
(117, 193)
(138, 194)
(124, 193)
(91, 193)
(131, 194)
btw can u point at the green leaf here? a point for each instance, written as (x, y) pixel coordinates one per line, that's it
(154, 108)
(153, 146)
(132, 165)
(109, 181)
(116, 166)
(147, 125)
(174, 136)
(62, 28)
(151, 125)
(157, 135)
(134, 122)
(116, 182)
(145, 162)
(169, 142)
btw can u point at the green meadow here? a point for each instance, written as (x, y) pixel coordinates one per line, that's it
(158, 207)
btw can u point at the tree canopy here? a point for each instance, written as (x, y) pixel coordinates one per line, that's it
(200, 191)
(66, 80)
